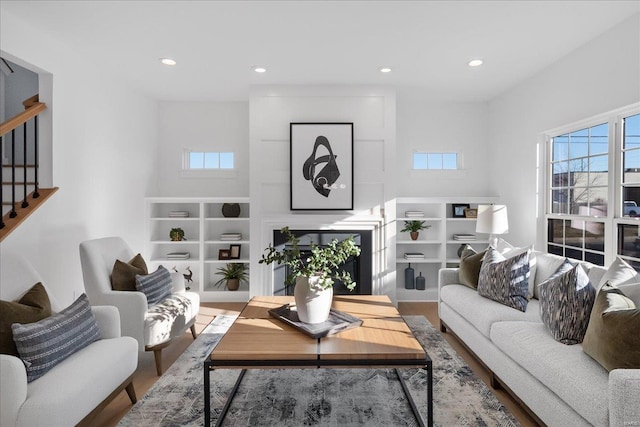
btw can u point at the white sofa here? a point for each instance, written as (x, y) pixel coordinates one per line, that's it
(153, 327)
(559, 383)
(74, 390)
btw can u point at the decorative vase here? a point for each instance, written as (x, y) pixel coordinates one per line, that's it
(231, 210)
(233, 284)
(414, 235)
(409, 278)
(421, 283)
(312, 301)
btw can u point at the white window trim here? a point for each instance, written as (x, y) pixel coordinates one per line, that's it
(222, 173)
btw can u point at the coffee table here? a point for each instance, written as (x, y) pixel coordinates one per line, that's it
(258, 341)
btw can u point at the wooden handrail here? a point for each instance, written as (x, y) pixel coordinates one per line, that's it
(22, 118)
(31, 101)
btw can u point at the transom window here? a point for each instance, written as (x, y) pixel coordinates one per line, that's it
(196, 160)
(435, 161)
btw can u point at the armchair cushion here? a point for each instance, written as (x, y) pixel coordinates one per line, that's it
(164, 320)
(156, 286)
(44, 344)
(123, 276)
(33, 306)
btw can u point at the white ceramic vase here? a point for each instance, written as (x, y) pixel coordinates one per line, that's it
(312, 301)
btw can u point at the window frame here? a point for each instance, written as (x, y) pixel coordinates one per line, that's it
(431, 153)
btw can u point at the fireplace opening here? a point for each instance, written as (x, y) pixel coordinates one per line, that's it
(359, 267)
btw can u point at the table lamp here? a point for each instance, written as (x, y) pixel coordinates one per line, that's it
(492, 219)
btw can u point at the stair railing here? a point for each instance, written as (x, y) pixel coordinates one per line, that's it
(29, 115)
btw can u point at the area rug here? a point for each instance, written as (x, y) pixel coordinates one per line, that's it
(320, 397)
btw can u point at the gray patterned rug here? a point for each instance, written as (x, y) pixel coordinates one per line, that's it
(320, 397)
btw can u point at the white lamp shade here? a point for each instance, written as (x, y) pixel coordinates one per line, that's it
(492, 219)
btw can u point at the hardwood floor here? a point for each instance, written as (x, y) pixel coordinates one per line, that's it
(145, 375)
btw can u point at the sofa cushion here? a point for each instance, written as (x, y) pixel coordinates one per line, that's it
(482, 312)
(156, 286)
(566, 370)
(566, 299)
(619, 273)
(170, 315)
(470, 263)
(505, 280)
(33, 306)
(533, 264)
(44, 344)
(547, 264)
(123, 275)
(613, 334)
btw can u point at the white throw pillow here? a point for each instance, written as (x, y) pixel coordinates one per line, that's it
(619, 273)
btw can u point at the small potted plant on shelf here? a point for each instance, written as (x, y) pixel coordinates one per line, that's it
(232, 274)
(414, 227)
(314, 273)
(176, 234)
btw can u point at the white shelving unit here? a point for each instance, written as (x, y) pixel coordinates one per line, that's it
(436, 242)
(203, 229)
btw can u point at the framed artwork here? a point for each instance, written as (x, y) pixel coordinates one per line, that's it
(224, 254)
(321, 166)
(234, 252)
(457, 209)
(471, 213)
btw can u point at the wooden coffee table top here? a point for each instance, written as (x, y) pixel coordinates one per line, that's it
(256, 337)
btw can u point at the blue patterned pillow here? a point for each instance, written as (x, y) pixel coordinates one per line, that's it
(156, 286)
(505, 280)
(566, 300)
(44, 344)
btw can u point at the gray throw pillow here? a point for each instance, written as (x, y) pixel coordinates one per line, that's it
(44, 344)
(505, 280)
(566, 299)
(470, 263)
(156, 286)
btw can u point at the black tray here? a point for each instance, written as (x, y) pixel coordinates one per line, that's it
(338, 321)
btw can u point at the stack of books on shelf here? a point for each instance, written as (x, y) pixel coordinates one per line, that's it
(413, 255)
(231, 236)
(414, 214)
(178, 214)
(178, 255)
(464, 237)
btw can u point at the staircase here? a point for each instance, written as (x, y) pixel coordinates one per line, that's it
(20, 192)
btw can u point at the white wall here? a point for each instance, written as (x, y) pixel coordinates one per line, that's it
(203, 126)
(598, 77)
(104, 134)
(440, 126)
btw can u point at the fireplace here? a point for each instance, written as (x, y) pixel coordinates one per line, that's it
(359, 267)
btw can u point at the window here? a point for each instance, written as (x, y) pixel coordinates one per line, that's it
(196, 160)
(435, 161)
(631, 166)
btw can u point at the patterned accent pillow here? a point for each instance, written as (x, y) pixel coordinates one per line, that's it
(566, 299)
(156, 286)
(123, 275)
(33, 306)
(44, 344)
(470, 263)
(505, 280)
(613, 337)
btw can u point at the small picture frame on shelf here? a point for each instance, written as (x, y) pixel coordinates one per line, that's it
(224, 254)
(234, 252)
(457, 209)
(471, 213)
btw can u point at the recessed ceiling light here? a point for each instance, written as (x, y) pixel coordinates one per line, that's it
(168, 61)
(259, 69)
(475, 63)
(384, 69)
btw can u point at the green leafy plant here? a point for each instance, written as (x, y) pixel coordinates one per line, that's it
(231, 271)
(322, 261)
(176, 234)
(413, 226)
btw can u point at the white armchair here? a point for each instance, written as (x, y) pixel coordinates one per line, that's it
(154, 327)
(76, 390)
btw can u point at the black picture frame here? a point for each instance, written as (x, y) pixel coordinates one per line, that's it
(234, 251)
(321, 166)
(457, 209)
(224, 254)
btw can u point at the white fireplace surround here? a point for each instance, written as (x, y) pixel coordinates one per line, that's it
(264, 285)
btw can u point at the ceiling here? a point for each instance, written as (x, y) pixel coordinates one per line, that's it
(427, 43)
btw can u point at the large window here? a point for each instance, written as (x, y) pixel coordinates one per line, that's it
(593, 184)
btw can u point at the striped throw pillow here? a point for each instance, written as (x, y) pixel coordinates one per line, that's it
(44, 344)
(156, 286)
(505, 280)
